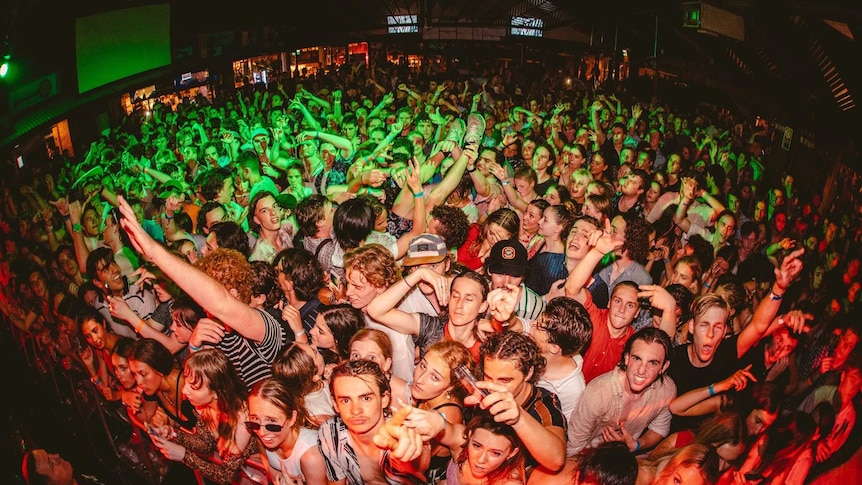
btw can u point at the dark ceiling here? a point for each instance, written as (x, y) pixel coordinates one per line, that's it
(797, 62)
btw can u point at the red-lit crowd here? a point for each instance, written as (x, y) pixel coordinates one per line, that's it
(391, 277)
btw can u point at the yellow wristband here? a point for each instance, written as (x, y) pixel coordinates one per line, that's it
(139, 326)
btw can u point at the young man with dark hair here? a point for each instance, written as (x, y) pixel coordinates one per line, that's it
(512, 364)
(350, 441)
(628, 403)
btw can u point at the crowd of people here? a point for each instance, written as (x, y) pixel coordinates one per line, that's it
(383, 276)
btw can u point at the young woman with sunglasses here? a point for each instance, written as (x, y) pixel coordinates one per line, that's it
(219, 444)
(287, 438)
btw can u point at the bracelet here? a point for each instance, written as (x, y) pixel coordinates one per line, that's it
(96, 380)
(140, 325)
(706, 285)
(194, 348)
(775, 296)
(300, 333)
(168, 217)
(67, 217)
(443, 415)
(407, 283)
(711, 390)
(505, 183)
(419, 194)
(637, 446)
(77, 227)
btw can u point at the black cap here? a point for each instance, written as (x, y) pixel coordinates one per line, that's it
(508, 257)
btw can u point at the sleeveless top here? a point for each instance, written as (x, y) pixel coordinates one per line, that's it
(306, 439)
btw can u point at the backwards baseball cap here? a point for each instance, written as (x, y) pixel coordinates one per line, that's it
(171, 187)
(508, 257)
(425, 249)
(286, 201)
(259, 131)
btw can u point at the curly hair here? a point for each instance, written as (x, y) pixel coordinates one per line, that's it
(230, 268)
(212, 182)
(375, 263)
(517, 347)
(636, 237)
(454, 225)
(264, 282)
(568, 325)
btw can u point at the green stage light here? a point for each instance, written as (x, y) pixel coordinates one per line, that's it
(4, 69)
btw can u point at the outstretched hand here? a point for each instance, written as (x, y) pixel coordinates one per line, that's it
(145, 245)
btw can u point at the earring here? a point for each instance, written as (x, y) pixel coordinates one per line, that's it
(448, 395)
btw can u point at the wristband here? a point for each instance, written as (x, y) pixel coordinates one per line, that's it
(139, 326)
(419, 194)
(300, 333)
(775, 296)
(711, 390)
(77, 227)
(637, 446)
(67, 217)
(505, 183)
(96, 380)
(407, 283)
(471, 170)
(706, 285)
(194, 348)
(168, 217)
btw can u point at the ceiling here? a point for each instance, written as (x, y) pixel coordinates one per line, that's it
(797, 62)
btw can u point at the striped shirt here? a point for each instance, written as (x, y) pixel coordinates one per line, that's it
(530, 304)
(253, 360)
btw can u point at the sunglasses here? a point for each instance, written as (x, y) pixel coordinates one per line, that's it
(255, 427)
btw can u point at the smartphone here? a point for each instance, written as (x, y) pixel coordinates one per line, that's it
(468, 380)
(151, 430)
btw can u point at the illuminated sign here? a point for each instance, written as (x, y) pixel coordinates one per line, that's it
(402, 24)
(527, 26)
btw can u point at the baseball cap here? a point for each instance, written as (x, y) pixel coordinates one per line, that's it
(508, 257)
(259, 131)
(286, 201)
(425, 249)
(171, 187)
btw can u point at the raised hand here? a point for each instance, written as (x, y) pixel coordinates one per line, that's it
(789, 269)
(503, 301)
(603, 240)
(145, 245)
(737, 381)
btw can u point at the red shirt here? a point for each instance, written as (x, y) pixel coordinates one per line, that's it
(468, 255)
(604, 352)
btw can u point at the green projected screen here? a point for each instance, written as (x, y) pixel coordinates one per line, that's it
(122, 43)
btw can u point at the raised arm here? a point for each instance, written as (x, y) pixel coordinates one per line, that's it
(707, 399)
(790, 268)
(602, 242)
(383, 307)
(686, 193)
(207, 291)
